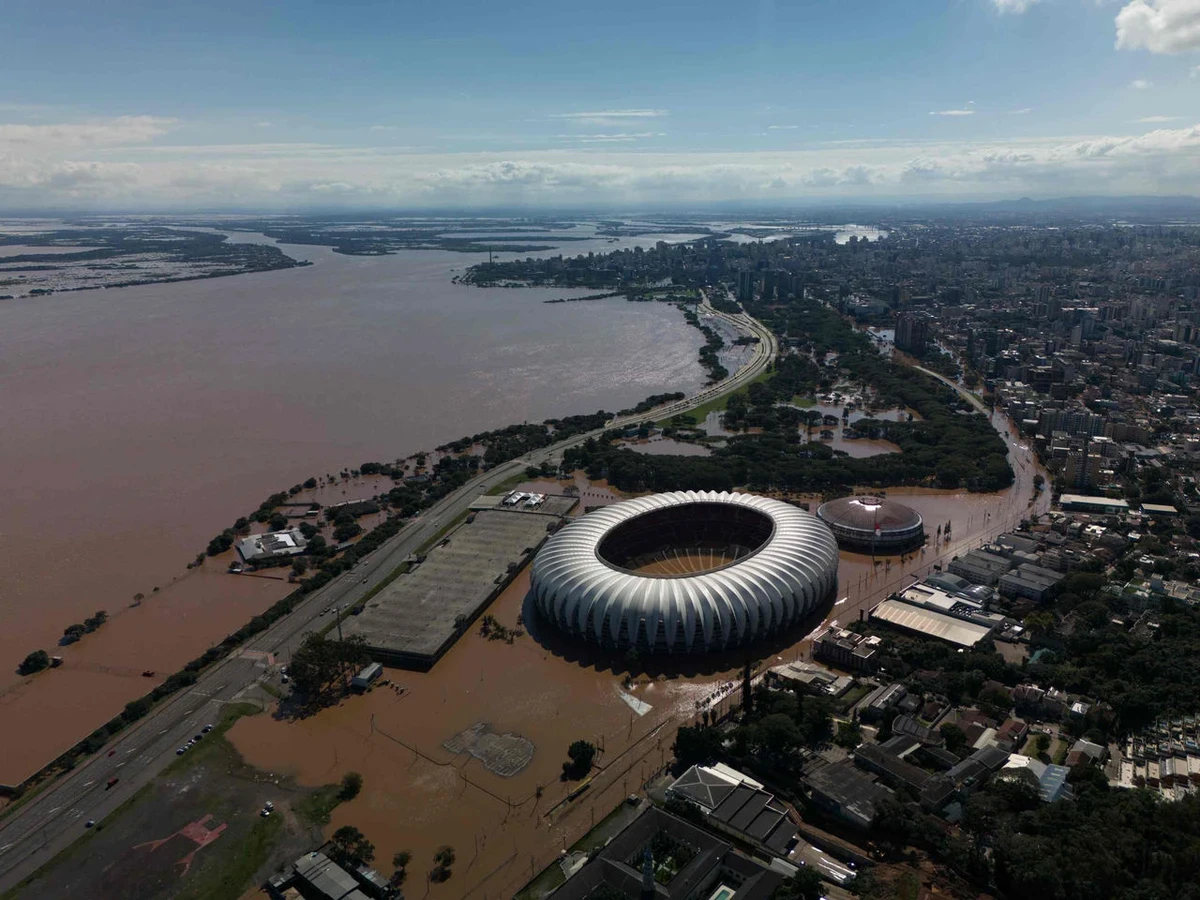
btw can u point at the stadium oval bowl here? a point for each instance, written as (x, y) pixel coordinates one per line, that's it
(688, 571)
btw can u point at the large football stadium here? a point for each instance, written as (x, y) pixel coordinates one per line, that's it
(685, 572)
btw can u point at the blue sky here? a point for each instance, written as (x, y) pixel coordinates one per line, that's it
(311, 104)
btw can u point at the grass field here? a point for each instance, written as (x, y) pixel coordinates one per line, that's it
(155, 846)
(718, 404)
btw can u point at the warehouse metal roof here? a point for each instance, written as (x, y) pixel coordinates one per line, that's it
(928, 622)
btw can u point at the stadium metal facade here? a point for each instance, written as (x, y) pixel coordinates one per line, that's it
(685, 572)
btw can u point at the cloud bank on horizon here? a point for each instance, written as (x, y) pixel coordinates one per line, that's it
(673, 144)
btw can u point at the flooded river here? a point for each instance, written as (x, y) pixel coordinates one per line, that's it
(139, 422)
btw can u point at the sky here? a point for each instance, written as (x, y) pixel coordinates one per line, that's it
(391, 104)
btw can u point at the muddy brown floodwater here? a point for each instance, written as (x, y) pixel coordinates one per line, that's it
(139, 422)
(420, 796)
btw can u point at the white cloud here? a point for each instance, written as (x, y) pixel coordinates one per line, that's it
(120, 163)
(952, 112)
(1195, 73)
(610, 117)
(782, 127)
(1013, 6)
(613, 114)
(121, 130)
(1160, 26)
(621, 137)
(1141, 84)
(264, 124)
(383, 128)
(1021, 112)
(1154, 120)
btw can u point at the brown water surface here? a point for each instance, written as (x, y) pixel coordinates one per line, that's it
(139, 422)
(419, 795)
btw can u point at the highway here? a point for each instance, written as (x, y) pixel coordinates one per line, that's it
(32, 834)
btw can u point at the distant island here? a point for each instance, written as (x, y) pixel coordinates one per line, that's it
(86, 258)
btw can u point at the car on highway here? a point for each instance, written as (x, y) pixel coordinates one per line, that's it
(111, 782)
(206, 729)
(198, 736)
(181, 751)
(89, 823)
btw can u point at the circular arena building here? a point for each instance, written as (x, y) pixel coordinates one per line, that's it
(685, 572)
(873, 524)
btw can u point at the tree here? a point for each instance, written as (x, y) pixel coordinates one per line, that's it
(443, 859)
(581, 755)
(400, 861)
(815, 720)
(351, 845)
(695, 745)
(849, 735)
(806, 884)
(351, 784)
(955, 737)
(776, 734)
(34, 662)
(320, 667)
(1041, 744)
(136, 709)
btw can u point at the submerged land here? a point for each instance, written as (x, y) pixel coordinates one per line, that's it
(42, 260)
(999, 375)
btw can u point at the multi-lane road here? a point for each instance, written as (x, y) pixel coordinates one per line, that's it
(48, 823)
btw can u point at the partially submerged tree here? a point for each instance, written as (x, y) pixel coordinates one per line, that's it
(581, 755)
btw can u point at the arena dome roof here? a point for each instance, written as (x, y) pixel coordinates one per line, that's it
(685, 571)
(862, 520)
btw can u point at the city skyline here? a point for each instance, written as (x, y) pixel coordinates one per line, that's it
(371, 106)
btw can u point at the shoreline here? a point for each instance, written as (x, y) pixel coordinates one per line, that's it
(123, 680)
(117, 724)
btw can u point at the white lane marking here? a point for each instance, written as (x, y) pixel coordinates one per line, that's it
(88, 783)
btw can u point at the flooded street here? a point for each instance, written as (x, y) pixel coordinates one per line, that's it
(418, 795)
(139, 422)
(551, 692)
